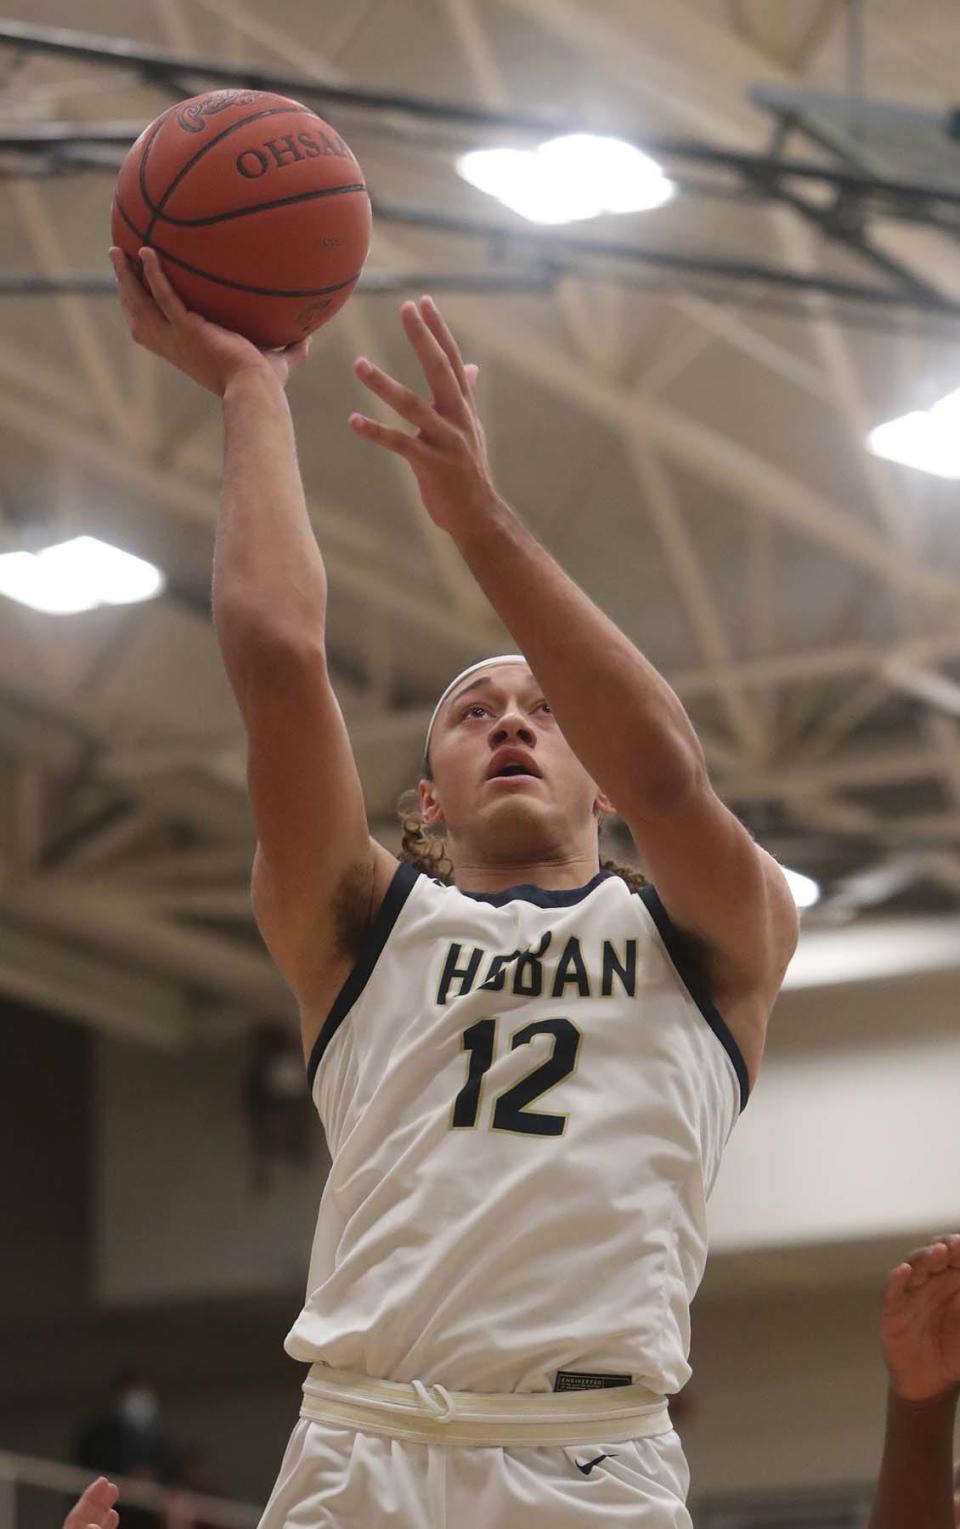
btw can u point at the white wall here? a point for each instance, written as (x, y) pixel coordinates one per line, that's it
(176, 1215)
(848, 1144)
(788, 1390)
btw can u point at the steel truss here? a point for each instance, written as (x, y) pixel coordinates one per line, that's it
(65, 148)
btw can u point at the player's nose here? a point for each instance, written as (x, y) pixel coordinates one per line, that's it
(512, 725)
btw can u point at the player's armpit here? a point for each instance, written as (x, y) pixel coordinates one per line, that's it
(315, 867)
(724, 891)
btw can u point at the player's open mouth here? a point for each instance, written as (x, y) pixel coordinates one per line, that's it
(512, 764)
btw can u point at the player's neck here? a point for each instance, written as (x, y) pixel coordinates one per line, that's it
(551, 875)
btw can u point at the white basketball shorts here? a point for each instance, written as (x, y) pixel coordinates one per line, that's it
(370, 1454)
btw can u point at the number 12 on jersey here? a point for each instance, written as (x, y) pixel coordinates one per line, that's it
(510, 1111)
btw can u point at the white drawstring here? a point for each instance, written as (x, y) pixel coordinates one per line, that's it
(442, 1414)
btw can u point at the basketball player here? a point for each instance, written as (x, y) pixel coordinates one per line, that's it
(526, 1067)
(920, 1331)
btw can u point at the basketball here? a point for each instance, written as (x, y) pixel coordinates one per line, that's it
(256, 206)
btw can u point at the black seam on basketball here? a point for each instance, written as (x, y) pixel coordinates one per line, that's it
(243, 212)
(237, 286)
(144, 157)
(270, 111)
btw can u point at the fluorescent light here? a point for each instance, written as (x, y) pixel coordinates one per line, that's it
(805, 890)
(926, 439)
(568, 179)
(77, 575)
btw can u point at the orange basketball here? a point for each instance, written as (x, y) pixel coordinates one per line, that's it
(256, 207)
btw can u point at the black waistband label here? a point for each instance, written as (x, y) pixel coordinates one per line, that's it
(579, 1380)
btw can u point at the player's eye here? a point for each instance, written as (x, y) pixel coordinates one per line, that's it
(480, 706)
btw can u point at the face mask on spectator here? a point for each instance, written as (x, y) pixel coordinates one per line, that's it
(138, 1407)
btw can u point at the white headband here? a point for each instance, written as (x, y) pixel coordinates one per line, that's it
(485, 663)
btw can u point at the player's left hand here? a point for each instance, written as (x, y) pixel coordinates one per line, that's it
(94, 1509)
(448, 453)
(920, 1322)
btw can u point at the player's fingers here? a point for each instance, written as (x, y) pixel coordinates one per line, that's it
(917, 1258)
(436, 364)
(927, 1262)
(93, 1507)
(397, 441)
(409, 405)
(933, 1258)
(898, 1281)
(170, 305)
(442, 333)
(297, 354)
(101, 1491)
(108, 1519)
(473, 372)
(135, 301)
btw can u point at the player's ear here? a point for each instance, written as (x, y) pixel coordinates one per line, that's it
(430, 810)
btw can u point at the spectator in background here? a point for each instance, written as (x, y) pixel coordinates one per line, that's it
(127, 1440)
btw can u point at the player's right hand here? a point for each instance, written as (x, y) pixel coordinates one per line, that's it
(159, 321)
(920, 1322)
(95, 1510)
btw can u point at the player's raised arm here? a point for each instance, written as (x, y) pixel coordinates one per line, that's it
(619, 716)
(920, 1332)
(313, 874)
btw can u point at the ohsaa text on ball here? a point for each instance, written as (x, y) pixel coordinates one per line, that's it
(279, 152)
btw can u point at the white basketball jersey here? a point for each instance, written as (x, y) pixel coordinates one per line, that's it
(526, 1096)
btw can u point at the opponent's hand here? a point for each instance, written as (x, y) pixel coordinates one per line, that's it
(448, 453)
(920, 1322)
(159, 320)
(95, 1510)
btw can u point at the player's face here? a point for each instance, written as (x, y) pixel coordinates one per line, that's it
(495, 722)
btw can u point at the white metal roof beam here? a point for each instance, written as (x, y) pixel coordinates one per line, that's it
(337, 530)
(108, 916)
(678, 549)
(84, 338)
(741, 472)
(464, 596)
(50, 972)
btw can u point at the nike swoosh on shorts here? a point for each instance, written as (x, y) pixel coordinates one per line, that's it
(591, 1463)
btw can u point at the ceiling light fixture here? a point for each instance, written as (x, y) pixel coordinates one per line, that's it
(568, 179)
(928, 439)
(77, 575)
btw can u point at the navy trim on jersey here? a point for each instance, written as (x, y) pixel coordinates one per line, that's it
(402, 884)
(678, 949)
(526, 893)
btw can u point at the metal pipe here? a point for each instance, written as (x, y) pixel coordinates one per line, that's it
(159, 66)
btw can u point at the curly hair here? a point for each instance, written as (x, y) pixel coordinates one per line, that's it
(426, 850)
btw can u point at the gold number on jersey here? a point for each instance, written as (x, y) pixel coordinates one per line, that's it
(511, 1112)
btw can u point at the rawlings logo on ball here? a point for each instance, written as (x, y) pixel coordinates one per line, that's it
(192, 117)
